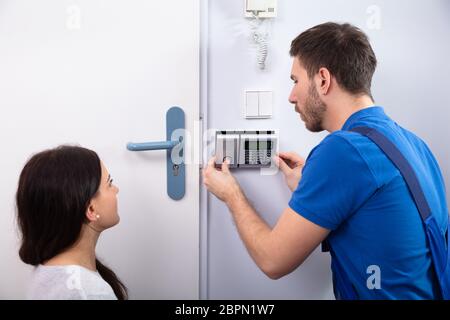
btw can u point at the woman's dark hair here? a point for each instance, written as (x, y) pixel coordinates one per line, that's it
(341, 48)
(54, 192)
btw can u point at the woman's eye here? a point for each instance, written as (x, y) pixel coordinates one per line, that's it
(110, 182)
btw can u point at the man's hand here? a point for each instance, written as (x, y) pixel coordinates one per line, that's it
(220, 182)
(291, 164)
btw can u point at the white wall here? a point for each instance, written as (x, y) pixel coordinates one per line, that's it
(411, 82)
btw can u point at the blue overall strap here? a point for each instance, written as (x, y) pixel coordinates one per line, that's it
(402, 165)
(437, 242)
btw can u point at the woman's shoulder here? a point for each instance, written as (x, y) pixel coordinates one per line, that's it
(68, 282)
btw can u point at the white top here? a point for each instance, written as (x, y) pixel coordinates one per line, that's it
(69, 282)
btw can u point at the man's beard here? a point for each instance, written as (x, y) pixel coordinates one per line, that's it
(313, 112)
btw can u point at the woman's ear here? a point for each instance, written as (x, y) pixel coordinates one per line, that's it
(91, 213)
(324, 81)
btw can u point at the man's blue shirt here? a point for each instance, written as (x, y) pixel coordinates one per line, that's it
(350, 187)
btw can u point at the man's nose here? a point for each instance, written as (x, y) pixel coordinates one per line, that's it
(292, 98)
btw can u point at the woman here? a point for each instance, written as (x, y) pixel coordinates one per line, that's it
(65, 199)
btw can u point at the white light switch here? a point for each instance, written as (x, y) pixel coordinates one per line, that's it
(251, 104)
(265, 104)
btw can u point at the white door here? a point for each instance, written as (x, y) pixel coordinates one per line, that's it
(100, 74)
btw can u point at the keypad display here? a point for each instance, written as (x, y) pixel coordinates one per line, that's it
(257, 156)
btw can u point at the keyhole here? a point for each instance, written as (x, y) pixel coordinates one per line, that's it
(175, 169)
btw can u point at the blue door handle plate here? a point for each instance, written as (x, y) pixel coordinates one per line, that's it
(174, 146)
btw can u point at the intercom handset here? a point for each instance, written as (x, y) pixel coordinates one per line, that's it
(245, 149)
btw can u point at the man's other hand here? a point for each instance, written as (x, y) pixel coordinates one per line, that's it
(291, 164)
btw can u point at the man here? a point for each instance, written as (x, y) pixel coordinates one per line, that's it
(348, 191)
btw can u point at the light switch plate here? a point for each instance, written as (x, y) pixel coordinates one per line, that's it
(258, 104)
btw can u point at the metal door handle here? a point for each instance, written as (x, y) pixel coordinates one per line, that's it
(174, 146)
(160, 145)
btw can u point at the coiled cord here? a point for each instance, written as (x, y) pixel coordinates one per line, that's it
(260, 38)
(262, 50)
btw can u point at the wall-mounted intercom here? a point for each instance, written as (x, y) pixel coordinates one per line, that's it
(259, 11)
(261, 8)
(245, 149)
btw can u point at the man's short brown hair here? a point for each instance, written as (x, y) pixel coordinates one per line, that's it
(341, 48)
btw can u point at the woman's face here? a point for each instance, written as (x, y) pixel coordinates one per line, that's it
(104, 203)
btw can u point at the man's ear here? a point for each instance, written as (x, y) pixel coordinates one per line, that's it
(323, 81)
(91, 214)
